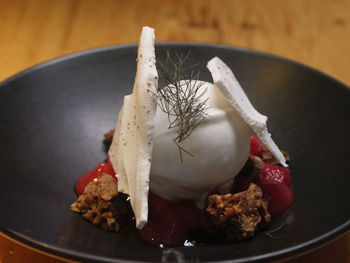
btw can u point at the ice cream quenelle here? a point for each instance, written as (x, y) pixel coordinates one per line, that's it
(143, 152)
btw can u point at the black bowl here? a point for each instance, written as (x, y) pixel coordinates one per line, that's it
(53, 118)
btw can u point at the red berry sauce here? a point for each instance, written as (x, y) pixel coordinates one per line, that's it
(169, 222)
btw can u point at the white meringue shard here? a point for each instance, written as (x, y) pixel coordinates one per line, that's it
(131, 149)
(225, 80)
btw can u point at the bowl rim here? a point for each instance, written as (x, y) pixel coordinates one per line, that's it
(76, 54)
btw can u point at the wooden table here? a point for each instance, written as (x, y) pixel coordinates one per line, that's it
(314, 32)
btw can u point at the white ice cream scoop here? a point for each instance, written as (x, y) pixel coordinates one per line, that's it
(218, 150)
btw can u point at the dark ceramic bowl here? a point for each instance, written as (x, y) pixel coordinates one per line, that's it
(53, 118)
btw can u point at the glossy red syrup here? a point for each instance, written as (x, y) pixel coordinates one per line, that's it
(169, 222)
(102, 168)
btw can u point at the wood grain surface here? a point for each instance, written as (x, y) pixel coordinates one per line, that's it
(314, 32)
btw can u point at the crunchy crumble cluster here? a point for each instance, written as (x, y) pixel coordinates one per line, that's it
(103, 205)
(240, 214)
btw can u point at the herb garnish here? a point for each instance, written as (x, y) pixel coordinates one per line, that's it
(181, 97)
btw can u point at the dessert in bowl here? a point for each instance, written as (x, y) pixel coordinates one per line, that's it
(178, 152)
(61, 109)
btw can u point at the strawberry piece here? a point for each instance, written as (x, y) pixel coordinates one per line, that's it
(255, 145)
(272, 173)
(102, 168)
(280, 197)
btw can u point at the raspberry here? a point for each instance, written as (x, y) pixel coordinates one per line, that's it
(255, 145)
(280, 197)
(275, 181)
(275, 174)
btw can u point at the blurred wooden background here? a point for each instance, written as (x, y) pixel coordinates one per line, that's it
(314, 32)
